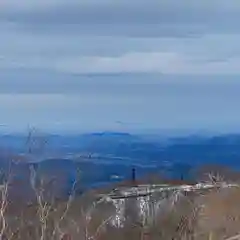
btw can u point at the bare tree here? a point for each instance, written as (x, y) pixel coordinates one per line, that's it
(4, 191)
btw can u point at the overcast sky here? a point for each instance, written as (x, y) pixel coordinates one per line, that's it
(89, 65)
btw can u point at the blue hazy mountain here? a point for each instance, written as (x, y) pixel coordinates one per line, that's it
(105, 157)
(129, 148)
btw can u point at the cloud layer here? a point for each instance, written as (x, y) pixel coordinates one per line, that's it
(121, 36)
(75, 60)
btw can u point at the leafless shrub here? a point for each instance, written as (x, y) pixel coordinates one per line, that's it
(36, 141)
(3, 206)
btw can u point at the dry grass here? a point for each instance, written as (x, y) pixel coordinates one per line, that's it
(211, 215)
(220, 214)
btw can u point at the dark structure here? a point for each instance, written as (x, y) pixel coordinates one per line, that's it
(133, 175)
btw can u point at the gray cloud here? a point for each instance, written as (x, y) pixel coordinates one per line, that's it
(91, 63)
(154, 105)
(115, 85)
(170, 17)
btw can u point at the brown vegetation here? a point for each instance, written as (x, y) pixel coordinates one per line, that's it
(207, 214)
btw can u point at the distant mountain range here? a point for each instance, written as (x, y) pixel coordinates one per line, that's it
(107, 157)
